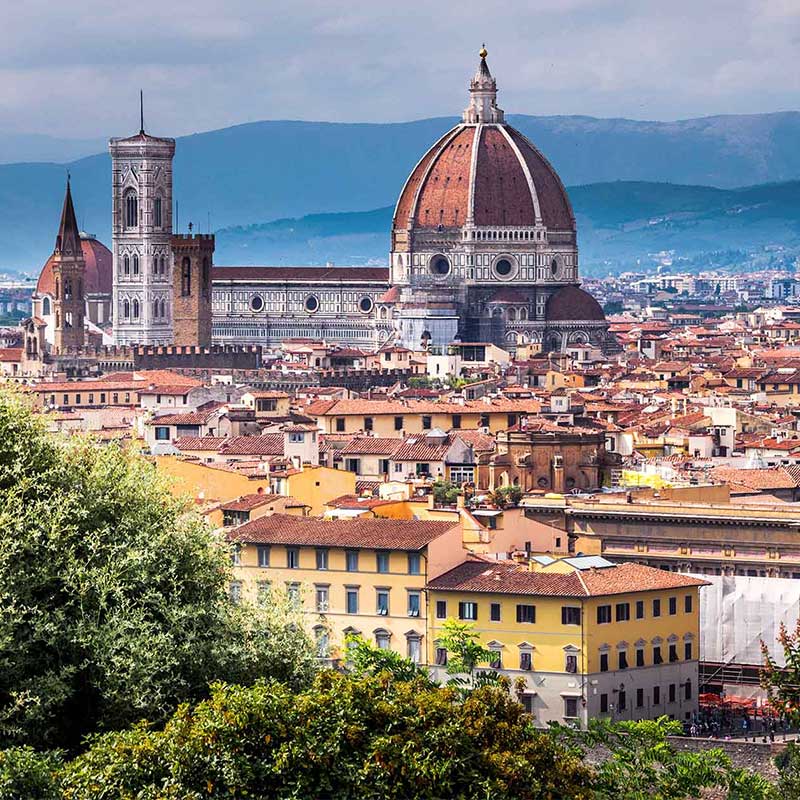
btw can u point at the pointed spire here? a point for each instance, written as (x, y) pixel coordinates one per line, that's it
(141, 112)
(68, 240)
(483, 95)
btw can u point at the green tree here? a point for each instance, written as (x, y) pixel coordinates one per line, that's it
(505, 496)
(642, 763)
(782, 683)
(345, 737)
(113, 602)
(788, 764)
(444, 492)
(26, 774)
(419, 382)
(465, 654)
(365, 658)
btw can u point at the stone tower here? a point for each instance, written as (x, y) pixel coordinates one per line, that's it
(141, 233)
(69, 271)
(192, 258)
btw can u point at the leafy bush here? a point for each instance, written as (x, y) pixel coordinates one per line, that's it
(346, 737)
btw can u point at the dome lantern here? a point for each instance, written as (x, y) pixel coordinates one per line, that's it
(482, 106)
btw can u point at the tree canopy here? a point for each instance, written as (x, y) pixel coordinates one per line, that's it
(113, 603)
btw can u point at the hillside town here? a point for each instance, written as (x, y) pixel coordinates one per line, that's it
(594, 483)
(463, 480)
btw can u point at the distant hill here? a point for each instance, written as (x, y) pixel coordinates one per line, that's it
(618, 223)
(16, 147)
(269, 170)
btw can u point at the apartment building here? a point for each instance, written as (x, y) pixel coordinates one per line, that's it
(360, 576)
(588, 638)
(392, 418)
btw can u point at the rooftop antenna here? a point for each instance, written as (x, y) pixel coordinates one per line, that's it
(141, 112)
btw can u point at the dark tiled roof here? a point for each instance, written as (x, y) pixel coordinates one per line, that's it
(513, 578)
(374, 533)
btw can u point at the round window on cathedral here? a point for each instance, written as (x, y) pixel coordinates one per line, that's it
(256, 303)
(503, 267)
(365, 304)
(311, 304)
(440, 265)
(554, 267)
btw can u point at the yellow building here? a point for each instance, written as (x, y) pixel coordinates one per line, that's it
(390, 418)
(362, 576)
(589, 638)
(311, 486)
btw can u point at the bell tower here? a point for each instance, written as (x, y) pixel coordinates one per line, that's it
(141, 232)
(192, 258)
(69, 271)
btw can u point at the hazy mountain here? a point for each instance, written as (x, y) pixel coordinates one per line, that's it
(269, 170)
(618, 223)
(15, 147)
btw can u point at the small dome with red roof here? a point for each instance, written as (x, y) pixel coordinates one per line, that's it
(571, 304)
(99, 269)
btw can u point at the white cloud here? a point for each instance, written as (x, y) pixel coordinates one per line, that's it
(204, 64)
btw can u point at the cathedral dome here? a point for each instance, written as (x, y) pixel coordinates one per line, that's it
(485, 173)
(99, 270)
(571, 304)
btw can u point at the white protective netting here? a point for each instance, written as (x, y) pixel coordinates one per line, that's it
(738, 612)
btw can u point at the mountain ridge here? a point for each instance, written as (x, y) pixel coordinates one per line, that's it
(619, 223)
(261, 171)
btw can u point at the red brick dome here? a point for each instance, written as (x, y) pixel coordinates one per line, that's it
(490, 173)
(99, 269)
(571, 304)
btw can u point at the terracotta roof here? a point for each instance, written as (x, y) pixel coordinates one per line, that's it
(98, 277)
(270, 444)
(512, 578)
(374, 533)
(311, 275)
(761, 479)
(481, 442)
(370, 445)
(250, 501)
(198, 417)
(571, 303)
(352, 501)
(439, 189)
(423, 448)
(205, 443)
(10, 354)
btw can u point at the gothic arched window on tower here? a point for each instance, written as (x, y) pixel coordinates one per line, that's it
(135, 264)
(157, 212)
(205, 277)
(67, 288)
(163, 265)
(126, 309)
(164, 309)
(155, 308)
(126, 264)
(186, 276)
(131, 209)
(135, 308)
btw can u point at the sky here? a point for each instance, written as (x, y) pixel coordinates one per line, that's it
(75, 69)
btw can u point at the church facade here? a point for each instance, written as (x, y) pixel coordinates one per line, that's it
(483, 248)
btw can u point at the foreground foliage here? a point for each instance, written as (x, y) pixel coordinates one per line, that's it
(113, 602)
(377, 737)
(347, 737)
(635, 760)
